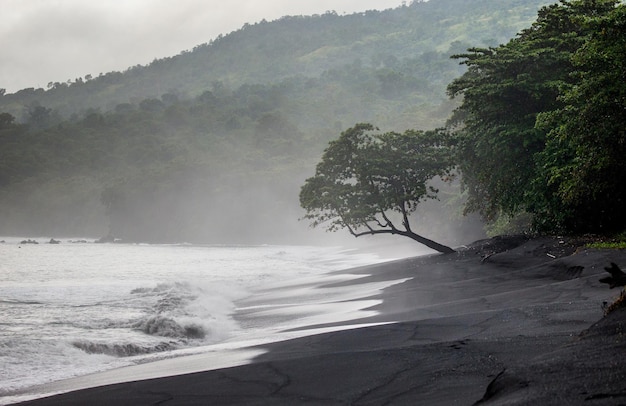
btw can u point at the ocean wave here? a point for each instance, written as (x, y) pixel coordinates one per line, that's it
(162, 287)
(20, 302)
(168, 327)
(183, 311)
(169, 296)
(122, 350)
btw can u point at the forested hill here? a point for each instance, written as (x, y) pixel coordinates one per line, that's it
(213, 144)
(409, 40)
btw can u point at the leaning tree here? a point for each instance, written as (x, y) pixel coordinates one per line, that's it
(370, 183)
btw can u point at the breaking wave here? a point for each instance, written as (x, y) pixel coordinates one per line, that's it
(172, 316)
(168, 327)
(121, 350)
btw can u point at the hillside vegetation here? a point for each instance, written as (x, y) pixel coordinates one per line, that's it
(542, 119)
(212, 145)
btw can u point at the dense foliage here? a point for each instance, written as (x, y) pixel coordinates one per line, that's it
(364, 179)
(214, 143)
(583, 162)
(541, 123)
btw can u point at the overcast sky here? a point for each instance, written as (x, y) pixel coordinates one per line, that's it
(44, 41)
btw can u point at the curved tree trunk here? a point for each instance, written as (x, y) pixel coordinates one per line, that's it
(410, 234)
(430, 243)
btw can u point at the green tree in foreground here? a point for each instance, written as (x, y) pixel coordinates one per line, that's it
(501, 149)
(371, 183)
(584, 156)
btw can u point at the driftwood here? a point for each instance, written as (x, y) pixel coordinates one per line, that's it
(617, 278)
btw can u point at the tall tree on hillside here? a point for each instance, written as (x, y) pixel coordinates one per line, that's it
(584, 155)
(370, 183)
(504, 90)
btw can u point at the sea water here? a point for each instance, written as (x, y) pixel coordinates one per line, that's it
(76, 308)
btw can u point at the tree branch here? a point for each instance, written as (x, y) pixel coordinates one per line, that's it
(405, 217)
(389, 223)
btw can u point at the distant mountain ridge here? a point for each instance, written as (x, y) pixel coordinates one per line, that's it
(303, 46)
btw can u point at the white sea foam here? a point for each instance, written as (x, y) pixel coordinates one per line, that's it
(68, 310)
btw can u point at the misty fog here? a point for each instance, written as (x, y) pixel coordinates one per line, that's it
(213, 145)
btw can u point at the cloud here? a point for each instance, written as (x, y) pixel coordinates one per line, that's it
(55, 40)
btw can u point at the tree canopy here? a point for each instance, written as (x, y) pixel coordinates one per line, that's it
(370, 183)
(583, 161)
(539, 122)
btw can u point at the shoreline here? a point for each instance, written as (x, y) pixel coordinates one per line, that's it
(455, 326)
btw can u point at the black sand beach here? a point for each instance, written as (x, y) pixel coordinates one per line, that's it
(507, 321)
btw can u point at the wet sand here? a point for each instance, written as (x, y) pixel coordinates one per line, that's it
(505, 321)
